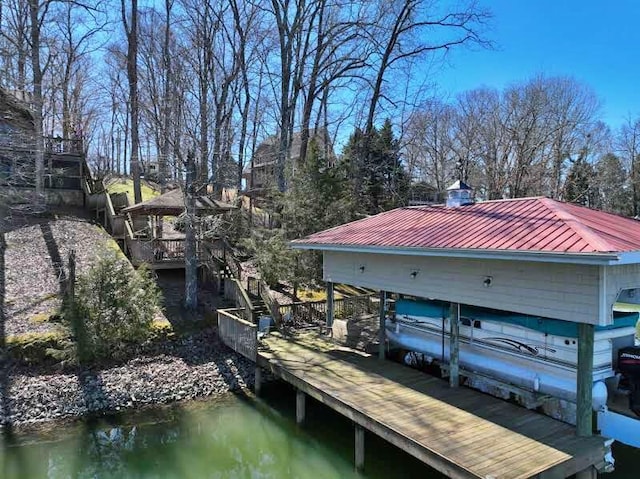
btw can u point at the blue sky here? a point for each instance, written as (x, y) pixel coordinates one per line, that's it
(596, 42)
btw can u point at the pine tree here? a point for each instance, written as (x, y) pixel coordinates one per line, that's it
(378, 179)
(580, 187)
(613, 185)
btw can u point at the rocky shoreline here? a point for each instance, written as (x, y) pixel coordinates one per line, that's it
(193, 366)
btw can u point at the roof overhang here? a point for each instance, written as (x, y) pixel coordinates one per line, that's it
(598, 259)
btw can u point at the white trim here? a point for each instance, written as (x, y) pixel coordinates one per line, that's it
(605, 315)
(538, 256)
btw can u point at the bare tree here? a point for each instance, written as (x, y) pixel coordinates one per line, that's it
(628, 147)
(131, 31)
(398, 26)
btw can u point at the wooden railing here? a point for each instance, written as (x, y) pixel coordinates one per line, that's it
(156, 250)
(303, 313)
(221, 251)
(63, 145)
(312, 313)
(168, 249)
(354, 306)
(258, 288)
(238, 333)
(233, 291)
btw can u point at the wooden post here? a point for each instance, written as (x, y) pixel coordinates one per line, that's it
(382, 332)
(257, 380)
(359, 446)
(300, 406)
(584, 411)
(329, 304)
(454, 345)
(589, 473)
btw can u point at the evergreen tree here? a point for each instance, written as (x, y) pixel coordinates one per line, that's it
(318, 198)
(394, 178)
(378, 179)
(580, 187)
(613, 185)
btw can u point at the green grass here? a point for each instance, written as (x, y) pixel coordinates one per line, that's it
(315, 295)
(125, 185)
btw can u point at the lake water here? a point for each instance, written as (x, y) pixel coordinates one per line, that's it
(234, 437)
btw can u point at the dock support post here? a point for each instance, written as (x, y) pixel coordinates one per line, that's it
(381, 332)
(359, 446)
(300, 406)
(257, 380)
(454, 345)
(584, 410)
(589, 473)
(329, 305)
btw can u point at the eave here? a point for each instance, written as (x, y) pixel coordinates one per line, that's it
(598, 259)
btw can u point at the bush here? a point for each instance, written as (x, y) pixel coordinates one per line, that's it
(113, 308)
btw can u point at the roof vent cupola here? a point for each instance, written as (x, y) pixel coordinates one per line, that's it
(459, 194)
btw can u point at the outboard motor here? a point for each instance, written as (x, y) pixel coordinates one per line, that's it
(629, 366)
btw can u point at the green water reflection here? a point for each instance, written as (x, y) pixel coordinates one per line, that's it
(237, 437)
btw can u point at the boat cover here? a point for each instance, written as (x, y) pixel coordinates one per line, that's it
(555, 327)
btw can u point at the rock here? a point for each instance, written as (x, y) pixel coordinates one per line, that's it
(197, 367)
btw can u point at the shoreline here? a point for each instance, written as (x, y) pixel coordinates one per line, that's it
(193, 367)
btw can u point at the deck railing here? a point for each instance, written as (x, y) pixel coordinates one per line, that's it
(158, 250)
(53, 144)
(238, 333)
(233, 291)
(354, 306)
(221, 251)
(314, 313)
(258, 288)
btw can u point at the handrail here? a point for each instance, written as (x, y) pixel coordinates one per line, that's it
(240, 297)
(238, 333)
(54, 144)
(271, 302)
(128, 228)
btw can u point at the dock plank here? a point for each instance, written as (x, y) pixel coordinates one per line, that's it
(460, 432)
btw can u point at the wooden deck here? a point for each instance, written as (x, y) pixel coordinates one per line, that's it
(460, 432)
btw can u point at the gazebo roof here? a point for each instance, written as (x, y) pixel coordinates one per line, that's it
(539, 227)
(172, 203)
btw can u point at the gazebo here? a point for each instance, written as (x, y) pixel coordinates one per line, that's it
(155, 241)
(531, 256)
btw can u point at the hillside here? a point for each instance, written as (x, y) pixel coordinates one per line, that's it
(36, 262)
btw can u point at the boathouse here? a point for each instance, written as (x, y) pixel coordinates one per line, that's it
(532, 256)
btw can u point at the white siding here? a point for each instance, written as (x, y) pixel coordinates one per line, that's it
(619, 278)
(561, 291)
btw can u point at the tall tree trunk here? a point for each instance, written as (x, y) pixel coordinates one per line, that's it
(168, 79)
(190, 253)
(36, 68)
(132, 76)
(204, 130)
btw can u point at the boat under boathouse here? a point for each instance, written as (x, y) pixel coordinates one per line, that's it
(560, 265)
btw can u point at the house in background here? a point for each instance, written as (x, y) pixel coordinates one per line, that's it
(64, 158)
(16, 140)
(261, 174)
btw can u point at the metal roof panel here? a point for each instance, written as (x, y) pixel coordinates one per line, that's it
(525, 224)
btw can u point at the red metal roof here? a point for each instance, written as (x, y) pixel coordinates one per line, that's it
(525, 224)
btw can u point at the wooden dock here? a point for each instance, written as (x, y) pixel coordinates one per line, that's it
(460, 432)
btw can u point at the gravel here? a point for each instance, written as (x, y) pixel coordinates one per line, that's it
(191, 367)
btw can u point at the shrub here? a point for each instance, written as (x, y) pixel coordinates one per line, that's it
(113, 308)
